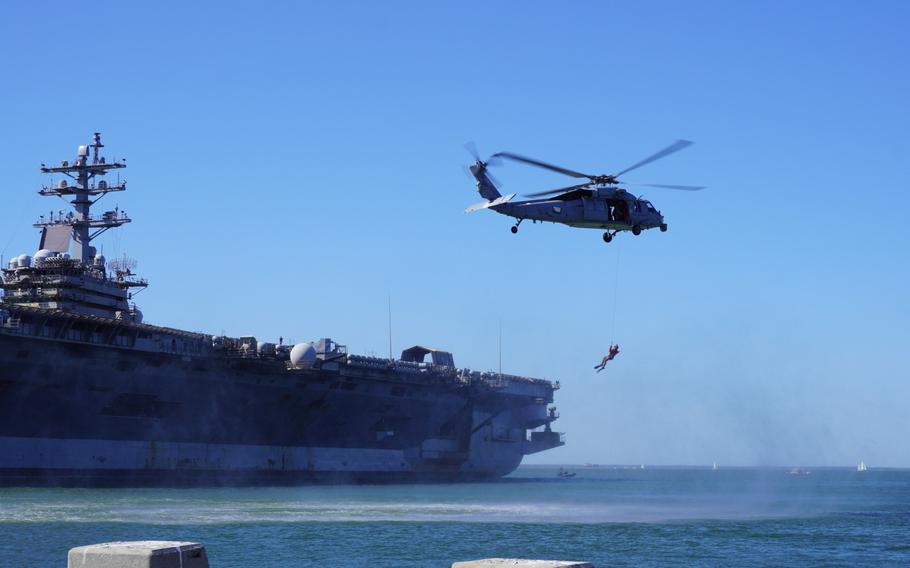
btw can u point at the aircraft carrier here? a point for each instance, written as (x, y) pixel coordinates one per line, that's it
(90, 394)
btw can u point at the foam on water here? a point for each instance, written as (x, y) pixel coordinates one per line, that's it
(595, 496)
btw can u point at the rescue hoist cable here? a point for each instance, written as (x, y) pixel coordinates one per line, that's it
(615, 293)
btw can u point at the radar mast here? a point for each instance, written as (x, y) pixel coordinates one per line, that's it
(86, 192)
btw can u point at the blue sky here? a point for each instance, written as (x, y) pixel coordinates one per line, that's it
(294, 164)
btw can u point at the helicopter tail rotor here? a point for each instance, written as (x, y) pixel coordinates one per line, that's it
(480, 166)
(471, 147)
(493, 160)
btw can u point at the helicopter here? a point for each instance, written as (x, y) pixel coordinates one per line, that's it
(598, 203)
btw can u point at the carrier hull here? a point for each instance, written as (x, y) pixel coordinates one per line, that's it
(79, 414)
(129, 468)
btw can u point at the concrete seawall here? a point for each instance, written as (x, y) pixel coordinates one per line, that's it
(139, 554)
(179, 554)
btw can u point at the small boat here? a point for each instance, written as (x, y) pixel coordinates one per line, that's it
(798, 471)
(565, 473)
(861, 466)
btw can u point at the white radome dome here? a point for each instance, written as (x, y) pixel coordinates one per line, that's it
(303, 355)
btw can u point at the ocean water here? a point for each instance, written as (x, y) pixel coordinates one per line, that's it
(608, 516)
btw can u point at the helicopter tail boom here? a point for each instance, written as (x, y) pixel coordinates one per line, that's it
(485, 186)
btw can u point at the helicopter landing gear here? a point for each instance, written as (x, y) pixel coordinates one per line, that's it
(663, 227)
(636, 230)
(514, 228)
(608, 237)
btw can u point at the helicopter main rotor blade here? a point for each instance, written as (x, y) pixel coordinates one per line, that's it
(672, 148)
(540, 164)
(555, 191)
(665, 186)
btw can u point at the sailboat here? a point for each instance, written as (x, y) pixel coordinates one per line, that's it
(861, 466)
(714, 467)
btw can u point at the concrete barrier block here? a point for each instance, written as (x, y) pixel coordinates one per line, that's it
(139, 554)
(520, 563)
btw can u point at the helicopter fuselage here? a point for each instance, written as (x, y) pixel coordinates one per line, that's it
(620, 213)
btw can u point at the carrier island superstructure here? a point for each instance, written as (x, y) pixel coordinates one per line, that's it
(90, 394)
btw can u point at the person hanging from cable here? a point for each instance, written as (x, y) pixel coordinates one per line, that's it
(614, 347)
(613, 352)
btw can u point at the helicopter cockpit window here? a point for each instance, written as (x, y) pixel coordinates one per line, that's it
(638, 206)
(650, 207)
